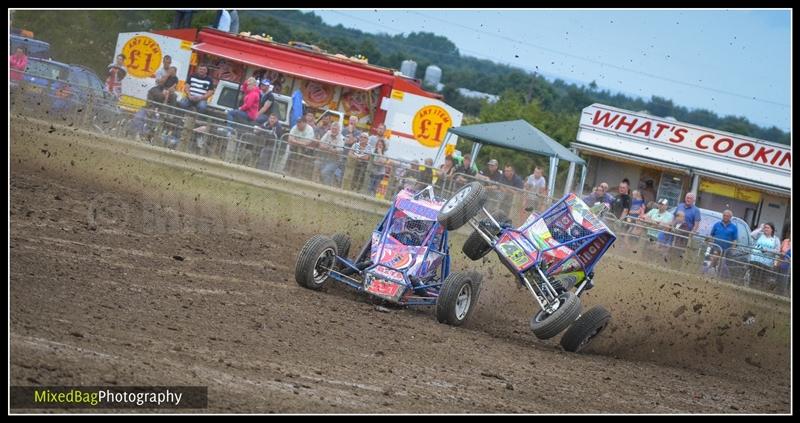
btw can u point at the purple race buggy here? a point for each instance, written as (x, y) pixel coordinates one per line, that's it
(405, 262)
(553, 255)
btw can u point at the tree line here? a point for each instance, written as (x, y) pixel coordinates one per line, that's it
(89, 38)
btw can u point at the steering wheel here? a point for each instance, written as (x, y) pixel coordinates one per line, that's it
(408, 238)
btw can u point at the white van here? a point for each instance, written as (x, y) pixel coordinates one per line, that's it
(227, 96)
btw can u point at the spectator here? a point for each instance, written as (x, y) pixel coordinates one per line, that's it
(324, 126)
(330, 148)
(464, 173)
(666, 239)
(608, 199)
(163, 72)
(765, 250)
(311, 120)
(224, 21)
(274, 131)
(378, 166)
(234, 15)
(637, 206)
(691, 212)
(446, 172)
(380, 133)
(165, 91)
(784, 264)
(597, 195)
(198, 91)
(17, 62)
(681, 229)
(359, 152)
(491, 173)
(511, 179)
(622, 203)
(301, 142)
(183, 19)
(536, 185)
(116, 73)
(724, 233)
(659, 218)
(247, 112)
(466, 168)
(648, 192)
(351, 130)
(266, 102)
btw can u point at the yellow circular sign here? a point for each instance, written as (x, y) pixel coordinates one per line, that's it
(142, 56)
(430, 125)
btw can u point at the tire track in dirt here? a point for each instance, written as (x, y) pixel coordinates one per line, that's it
(335, 351)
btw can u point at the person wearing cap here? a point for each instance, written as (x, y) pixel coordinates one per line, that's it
(658, 217)
(491, 172)
(266, 102)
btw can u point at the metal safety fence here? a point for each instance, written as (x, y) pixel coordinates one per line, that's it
(354, 166)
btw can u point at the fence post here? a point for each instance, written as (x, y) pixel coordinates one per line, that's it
(186, 133)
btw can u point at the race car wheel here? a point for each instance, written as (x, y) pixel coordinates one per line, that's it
(315, 262)
(475, 247)
(342, 244)
(462, 206)
(458, 297)
(585, 329)
(546, 326)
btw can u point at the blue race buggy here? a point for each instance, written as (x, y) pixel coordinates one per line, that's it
(406, 261)
(553, 255)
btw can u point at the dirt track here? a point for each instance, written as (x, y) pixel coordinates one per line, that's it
(113, 283)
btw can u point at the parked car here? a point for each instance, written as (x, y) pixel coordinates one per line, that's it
(68, 88)
(708, 218)
(736, 260)
(34, 48)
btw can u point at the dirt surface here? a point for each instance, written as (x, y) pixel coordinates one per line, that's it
(114, 283)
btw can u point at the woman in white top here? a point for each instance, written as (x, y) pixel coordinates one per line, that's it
(766, 248)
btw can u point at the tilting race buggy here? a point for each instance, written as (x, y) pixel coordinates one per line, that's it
(405, 262)
(552, 255)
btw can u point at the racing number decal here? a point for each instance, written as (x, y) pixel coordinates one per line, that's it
(430, 125)
(142, 56)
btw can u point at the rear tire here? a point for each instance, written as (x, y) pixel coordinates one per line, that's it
(546, 326)
(458, 298)
(318, 255)
(585, 329)
(462, 206)
(342, 244)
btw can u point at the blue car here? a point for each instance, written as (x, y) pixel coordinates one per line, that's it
(406, 261)
(34, 48)
(552, 254)
(67, 89)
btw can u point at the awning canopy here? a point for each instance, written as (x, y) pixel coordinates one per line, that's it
(516, 135)
(283, 66)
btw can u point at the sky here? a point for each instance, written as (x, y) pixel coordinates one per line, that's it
(732, 62)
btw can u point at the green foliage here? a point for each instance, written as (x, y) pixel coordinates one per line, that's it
(89, 38)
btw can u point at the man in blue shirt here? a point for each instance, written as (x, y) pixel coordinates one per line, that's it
(691, 214)
(724, 234)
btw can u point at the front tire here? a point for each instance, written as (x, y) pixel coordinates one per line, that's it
(458, 298)
(462, 206)
(314, 262)
(546, 326)
(585, 329)
(475, 247)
